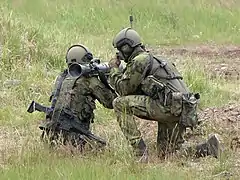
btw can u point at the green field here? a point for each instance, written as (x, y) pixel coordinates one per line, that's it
(34, 37)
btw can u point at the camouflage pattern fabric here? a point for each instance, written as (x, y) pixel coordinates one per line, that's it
(144, 107)
(137, 99)
(78, 95)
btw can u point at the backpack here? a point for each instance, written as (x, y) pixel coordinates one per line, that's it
(183, 105)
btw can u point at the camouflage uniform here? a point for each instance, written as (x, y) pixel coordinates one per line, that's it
(152, 88)
(79, 94)
(134, 101)
(77, 97)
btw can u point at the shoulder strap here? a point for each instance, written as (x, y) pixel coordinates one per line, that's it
(55, 96)
(171, 74)
(150, 65)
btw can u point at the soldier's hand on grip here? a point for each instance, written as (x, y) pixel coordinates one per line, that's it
(114, 62)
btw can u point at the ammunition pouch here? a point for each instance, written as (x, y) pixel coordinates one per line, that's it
(189, 116)
(156, 90)
(152, 87)
(180, 104)
(176, 103)
(185, 106)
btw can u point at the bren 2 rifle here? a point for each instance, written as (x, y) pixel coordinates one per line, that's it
(67, 125)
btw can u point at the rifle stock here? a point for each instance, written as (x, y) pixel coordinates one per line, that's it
(34, 106)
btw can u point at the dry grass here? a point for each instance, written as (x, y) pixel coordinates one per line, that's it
(34, 37)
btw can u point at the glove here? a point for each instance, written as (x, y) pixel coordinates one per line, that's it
(114, 62)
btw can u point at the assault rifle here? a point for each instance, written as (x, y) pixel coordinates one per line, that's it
(69, 123)
(34, 106)
(66, 123)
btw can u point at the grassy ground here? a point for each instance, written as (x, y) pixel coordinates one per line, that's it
(34, 37)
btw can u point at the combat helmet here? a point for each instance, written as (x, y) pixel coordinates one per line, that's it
(78, 53)
(126, 41)
(127, 36)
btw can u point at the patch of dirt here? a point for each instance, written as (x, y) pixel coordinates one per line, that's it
(209, 51)
(227, 117)
(208, 56)
(224, 121)
(228, 69)
(148, 129)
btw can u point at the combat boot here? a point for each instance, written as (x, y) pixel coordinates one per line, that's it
(142, 151)
(209, 148)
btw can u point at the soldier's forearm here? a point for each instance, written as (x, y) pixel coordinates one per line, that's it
(114, 76)
(124, 87)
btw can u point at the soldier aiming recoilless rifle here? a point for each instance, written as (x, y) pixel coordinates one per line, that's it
(94, 68)
(82, 69)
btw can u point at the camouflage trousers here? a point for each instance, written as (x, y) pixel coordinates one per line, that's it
(170, 135)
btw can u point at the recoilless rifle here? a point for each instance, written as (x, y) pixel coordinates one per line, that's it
(93, 68)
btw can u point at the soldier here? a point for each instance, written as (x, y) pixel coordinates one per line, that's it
(76, 98)
(151, 88)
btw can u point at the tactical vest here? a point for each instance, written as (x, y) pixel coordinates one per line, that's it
(167, 73)
(78, 101)
(163, 74)
(164, 82)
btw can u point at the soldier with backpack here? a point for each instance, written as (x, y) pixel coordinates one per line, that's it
(151, 88)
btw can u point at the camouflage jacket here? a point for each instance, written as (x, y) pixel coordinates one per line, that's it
(141, 65)
(78, 96)
(146, 74)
